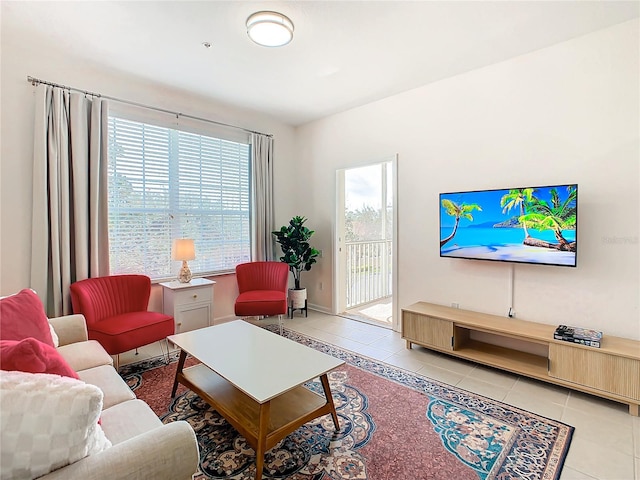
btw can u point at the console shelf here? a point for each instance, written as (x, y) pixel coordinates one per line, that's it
(504, 358)
(612, 371)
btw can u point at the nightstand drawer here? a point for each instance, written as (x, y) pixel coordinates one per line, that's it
(193, 295)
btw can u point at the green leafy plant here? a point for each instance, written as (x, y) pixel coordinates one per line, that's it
(294, 242)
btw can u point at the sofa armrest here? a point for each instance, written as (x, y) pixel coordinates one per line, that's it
(169, 452)
(70, 328)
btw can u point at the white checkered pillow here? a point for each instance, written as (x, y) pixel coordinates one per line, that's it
(47, 422)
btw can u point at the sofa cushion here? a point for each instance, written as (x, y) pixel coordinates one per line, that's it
(47, 422)
(54, 336)
(127, 420)
(22, 315)
(84, 355)
(33, 356)
(106, 378)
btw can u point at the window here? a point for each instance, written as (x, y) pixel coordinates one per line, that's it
(165, 184)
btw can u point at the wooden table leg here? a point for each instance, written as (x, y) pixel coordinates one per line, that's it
(265, 409)
(183, 357)
(327, 394)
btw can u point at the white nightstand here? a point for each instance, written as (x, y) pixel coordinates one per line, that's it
(190, 304)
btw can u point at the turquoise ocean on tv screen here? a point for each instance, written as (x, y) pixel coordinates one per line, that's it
(478, 236)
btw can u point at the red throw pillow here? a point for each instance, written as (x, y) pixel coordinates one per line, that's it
(32, 356)
(22, 315)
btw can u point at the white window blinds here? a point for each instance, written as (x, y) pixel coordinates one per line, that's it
(166, 184)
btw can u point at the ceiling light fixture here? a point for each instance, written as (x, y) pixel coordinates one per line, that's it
(270, 29)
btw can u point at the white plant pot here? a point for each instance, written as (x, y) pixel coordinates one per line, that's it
(297, 297)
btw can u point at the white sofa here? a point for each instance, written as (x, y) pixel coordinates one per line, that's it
(142, 447)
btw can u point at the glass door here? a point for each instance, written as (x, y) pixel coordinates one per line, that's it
(366, 253)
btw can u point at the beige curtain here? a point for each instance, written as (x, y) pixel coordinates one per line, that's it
(69, 220)
(262, 194)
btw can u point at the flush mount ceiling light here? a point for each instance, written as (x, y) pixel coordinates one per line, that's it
(270, 29)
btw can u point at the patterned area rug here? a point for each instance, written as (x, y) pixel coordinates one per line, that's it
(394, 425)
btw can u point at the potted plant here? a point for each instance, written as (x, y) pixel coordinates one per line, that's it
(298, 254)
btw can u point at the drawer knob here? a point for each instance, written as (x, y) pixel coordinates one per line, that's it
(195, 296)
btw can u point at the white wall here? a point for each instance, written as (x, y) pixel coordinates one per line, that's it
(564, 114)
(21, 57)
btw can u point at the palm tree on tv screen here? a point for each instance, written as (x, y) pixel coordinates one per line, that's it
(518, 198)
(558, 215)
(458, 211)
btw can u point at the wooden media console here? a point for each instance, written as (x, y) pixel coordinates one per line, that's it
(528, 349)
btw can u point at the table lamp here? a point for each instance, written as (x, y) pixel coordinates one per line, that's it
(183, 249)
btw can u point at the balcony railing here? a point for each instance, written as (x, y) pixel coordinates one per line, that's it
(368, 271)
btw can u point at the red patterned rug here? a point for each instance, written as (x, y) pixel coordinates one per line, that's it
(394, 425)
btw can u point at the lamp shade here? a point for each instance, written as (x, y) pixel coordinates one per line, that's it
(270, 29)
(183, 249)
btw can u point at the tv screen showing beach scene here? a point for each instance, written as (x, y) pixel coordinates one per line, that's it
(526, 225)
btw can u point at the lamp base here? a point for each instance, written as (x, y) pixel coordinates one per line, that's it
(185, 274)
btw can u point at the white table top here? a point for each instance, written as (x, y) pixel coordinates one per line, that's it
(260, 363)
(195, 282)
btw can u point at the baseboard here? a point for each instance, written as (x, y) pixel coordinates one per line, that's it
(311, 306)
(319, 308)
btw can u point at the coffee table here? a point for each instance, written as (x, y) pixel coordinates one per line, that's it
(254, 379)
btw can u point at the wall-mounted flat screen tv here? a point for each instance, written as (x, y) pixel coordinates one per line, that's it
(526, 225)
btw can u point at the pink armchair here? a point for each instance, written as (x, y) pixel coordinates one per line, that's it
(263, 289)
(115, 309)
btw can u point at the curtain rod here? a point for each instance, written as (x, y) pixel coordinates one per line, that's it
(36, 81)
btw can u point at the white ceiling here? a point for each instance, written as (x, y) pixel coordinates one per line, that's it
(344, 53)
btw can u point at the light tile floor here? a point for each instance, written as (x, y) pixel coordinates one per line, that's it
(606, 442)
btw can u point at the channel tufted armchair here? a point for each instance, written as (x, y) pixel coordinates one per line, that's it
(263, 289)
(115, 309)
